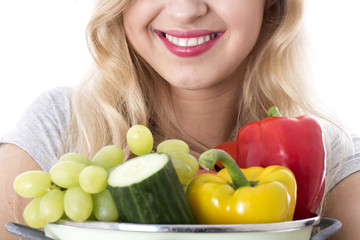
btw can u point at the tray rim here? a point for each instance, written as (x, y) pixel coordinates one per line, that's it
(191, 228)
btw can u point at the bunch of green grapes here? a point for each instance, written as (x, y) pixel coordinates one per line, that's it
(75, 187)
(140, 141)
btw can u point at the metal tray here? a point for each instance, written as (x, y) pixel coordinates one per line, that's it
(299, 229)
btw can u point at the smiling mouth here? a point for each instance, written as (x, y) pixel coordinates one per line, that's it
(189, 42)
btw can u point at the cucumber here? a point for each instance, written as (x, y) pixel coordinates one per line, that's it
(146, 189)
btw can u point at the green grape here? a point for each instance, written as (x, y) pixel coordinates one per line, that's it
(172, 145)
(93, 179)
(32, 184)
(108, 157)
(140, 140)
(66, 174)
(32, 216)
(78, 204)
(104, 207)
(52, 205)
(183, 171)
(188, 159)
(75, 157)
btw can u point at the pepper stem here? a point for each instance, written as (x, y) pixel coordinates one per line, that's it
(208, 159)
(274, 112)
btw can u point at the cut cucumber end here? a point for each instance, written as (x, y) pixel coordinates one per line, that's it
(146, 189)
(137, 169)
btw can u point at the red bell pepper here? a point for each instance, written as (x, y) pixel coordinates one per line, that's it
(296, 143)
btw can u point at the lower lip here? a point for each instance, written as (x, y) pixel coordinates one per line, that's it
(191, 51)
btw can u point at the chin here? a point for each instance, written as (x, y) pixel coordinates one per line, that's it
(191, 83)
(193, 86)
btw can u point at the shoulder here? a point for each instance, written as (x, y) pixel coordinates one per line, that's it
(44, 125)
(53, 104)
(342, 153)
(58, 97)
(335, 135)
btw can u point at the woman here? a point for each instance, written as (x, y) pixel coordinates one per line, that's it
(196, 70)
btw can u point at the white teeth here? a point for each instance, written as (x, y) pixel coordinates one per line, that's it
(189, 42)
(182, 42)
(192, 42)
(207, 38)
(201, 40)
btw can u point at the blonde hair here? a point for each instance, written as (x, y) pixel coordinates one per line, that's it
(276, 68)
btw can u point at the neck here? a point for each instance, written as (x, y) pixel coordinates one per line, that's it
(207, 115)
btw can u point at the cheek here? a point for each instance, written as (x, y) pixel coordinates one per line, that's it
(244, 33)
(249, 24)
(130, 25)
(137, 20)
(243, 17)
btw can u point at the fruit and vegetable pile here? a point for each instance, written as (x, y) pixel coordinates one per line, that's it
(163, 184)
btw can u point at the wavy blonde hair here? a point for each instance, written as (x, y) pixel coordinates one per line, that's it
(119, 92)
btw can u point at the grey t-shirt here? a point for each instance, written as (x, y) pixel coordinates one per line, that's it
(41, 129)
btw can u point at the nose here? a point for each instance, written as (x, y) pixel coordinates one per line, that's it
(185, 11)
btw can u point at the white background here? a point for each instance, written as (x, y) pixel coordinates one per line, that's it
(42, 45)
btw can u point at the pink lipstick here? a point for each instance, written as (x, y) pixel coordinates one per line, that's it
(188, 43)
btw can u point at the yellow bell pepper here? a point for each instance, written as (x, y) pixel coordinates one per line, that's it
(241, 196)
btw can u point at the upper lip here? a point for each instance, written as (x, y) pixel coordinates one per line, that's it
(186, 33)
